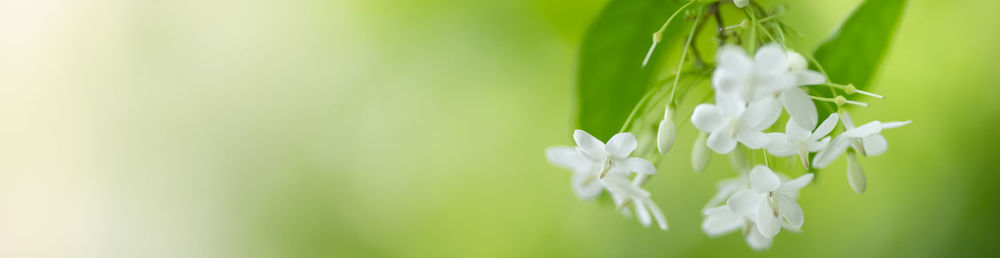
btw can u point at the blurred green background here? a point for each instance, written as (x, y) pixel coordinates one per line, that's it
(314, 128)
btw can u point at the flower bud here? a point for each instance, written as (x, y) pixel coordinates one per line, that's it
(667, 131)
(796, 62)
(700, 154)
(855, 174)
(665, 136)
(741, 3)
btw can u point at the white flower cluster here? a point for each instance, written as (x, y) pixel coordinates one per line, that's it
(749, 96)
(751, 93)
(597, 167)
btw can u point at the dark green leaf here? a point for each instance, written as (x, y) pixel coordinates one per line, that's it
(854, 52)
(610, 79)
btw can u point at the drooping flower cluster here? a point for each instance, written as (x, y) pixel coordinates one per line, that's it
(598, 167)
(750, 95)
(751, 92)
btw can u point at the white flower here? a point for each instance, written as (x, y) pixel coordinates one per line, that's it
(866, 139)
(752, 79)
(721, 220)
(608, 164)
(770, 203)
(730, 121)
(798, 140)
(795, 100)
(584, 181)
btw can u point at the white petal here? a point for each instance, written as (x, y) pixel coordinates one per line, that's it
(800, 107)
(638, 165)
(807, 77)
(621, 144)
(777, 145)
(657, 214)
(847, 120)
(586, 185)
(642, 214)
(770, 59)
(795, 131)
(796, 184)
(819, 145)
(870, 128)
(790, 210)
(729, 81)
(665, 135)
(588, 144)
(727, 188)
(730, 105)
(752, 139)
(707, 118)
(565, 157)
(721, 221)
(721, 142)
(699, 153)
(762, 113)
(767, 220)
(757, 241)
(826, 156)
(733, 59)
(826, 127)
(763, 180)
(620, 185)
(856, 174)
(875, 145)
(745, 202)
(889, 125)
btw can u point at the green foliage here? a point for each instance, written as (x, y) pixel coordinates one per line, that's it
(854, 52)
(610, 78)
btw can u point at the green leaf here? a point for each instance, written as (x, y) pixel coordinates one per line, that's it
(855, 51)
(610, 79)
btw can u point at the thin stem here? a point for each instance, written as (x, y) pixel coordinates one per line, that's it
(850, 89)
(765, 19)
(698, 61)
(631, 115)
(721, 31)
(766, 163)
(753, 30)
(821, 70)
(689, 114)
(839, 99)
(658, 35)
(767, 33)
(680, 65)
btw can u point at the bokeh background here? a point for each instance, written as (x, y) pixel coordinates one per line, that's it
(313, 128)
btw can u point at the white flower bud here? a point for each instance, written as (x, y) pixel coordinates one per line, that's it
(796, 62)
(666, 132)
(855, 174)
(700, 154)
(741, 3)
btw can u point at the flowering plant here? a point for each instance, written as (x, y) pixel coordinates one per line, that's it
(762, 97)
